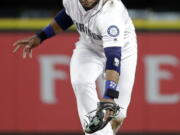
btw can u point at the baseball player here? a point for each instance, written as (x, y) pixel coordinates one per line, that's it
(107, 46)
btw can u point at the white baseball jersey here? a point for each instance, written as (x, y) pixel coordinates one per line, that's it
(107, 24)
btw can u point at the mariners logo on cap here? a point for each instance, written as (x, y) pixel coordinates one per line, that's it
(113, 31)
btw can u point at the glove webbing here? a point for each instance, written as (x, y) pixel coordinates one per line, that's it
(96, 122)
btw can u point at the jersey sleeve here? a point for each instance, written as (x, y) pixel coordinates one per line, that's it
(111, 28)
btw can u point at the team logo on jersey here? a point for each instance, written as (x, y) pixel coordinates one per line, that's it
(113, 31)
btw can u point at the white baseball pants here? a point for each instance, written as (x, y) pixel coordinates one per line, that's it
(86, 66)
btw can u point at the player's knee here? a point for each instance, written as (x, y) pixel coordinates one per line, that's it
(81, 86)
(81, 83)
(116, 124)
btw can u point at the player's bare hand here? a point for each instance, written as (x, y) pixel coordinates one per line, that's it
(27, 44)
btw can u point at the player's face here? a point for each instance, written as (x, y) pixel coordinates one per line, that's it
(88, 4)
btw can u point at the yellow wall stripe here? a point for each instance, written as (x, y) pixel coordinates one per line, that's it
(156, 24)
(16, 24)
(39, 23)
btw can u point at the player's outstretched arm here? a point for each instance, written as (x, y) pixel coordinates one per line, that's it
(113, 55)
(60, 23)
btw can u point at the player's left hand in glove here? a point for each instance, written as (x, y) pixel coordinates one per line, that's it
(104, 113)
(27, 44)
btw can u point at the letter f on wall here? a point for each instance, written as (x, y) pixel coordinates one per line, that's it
(49, 75)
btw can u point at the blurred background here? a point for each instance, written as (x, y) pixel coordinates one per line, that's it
(36, 96)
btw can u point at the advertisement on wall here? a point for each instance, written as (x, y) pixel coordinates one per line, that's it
(36, 94)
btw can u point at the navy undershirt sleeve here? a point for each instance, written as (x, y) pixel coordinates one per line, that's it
(63, 20)
(113, 55)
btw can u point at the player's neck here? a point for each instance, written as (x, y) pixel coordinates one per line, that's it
(88, 5)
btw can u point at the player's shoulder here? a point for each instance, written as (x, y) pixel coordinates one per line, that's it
(68, 2)
(111, 9)
(113, 6)
(65, 2)
(112, 13)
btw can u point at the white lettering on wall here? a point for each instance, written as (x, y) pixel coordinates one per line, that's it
(49, 75)
(153, 76)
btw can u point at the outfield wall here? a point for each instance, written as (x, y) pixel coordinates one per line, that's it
(36, 94)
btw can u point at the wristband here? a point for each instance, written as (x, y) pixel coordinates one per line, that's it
(110, 90)
(46, 33)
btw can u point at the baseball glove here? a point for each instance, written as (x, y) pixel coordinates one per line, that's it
(98, 121)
